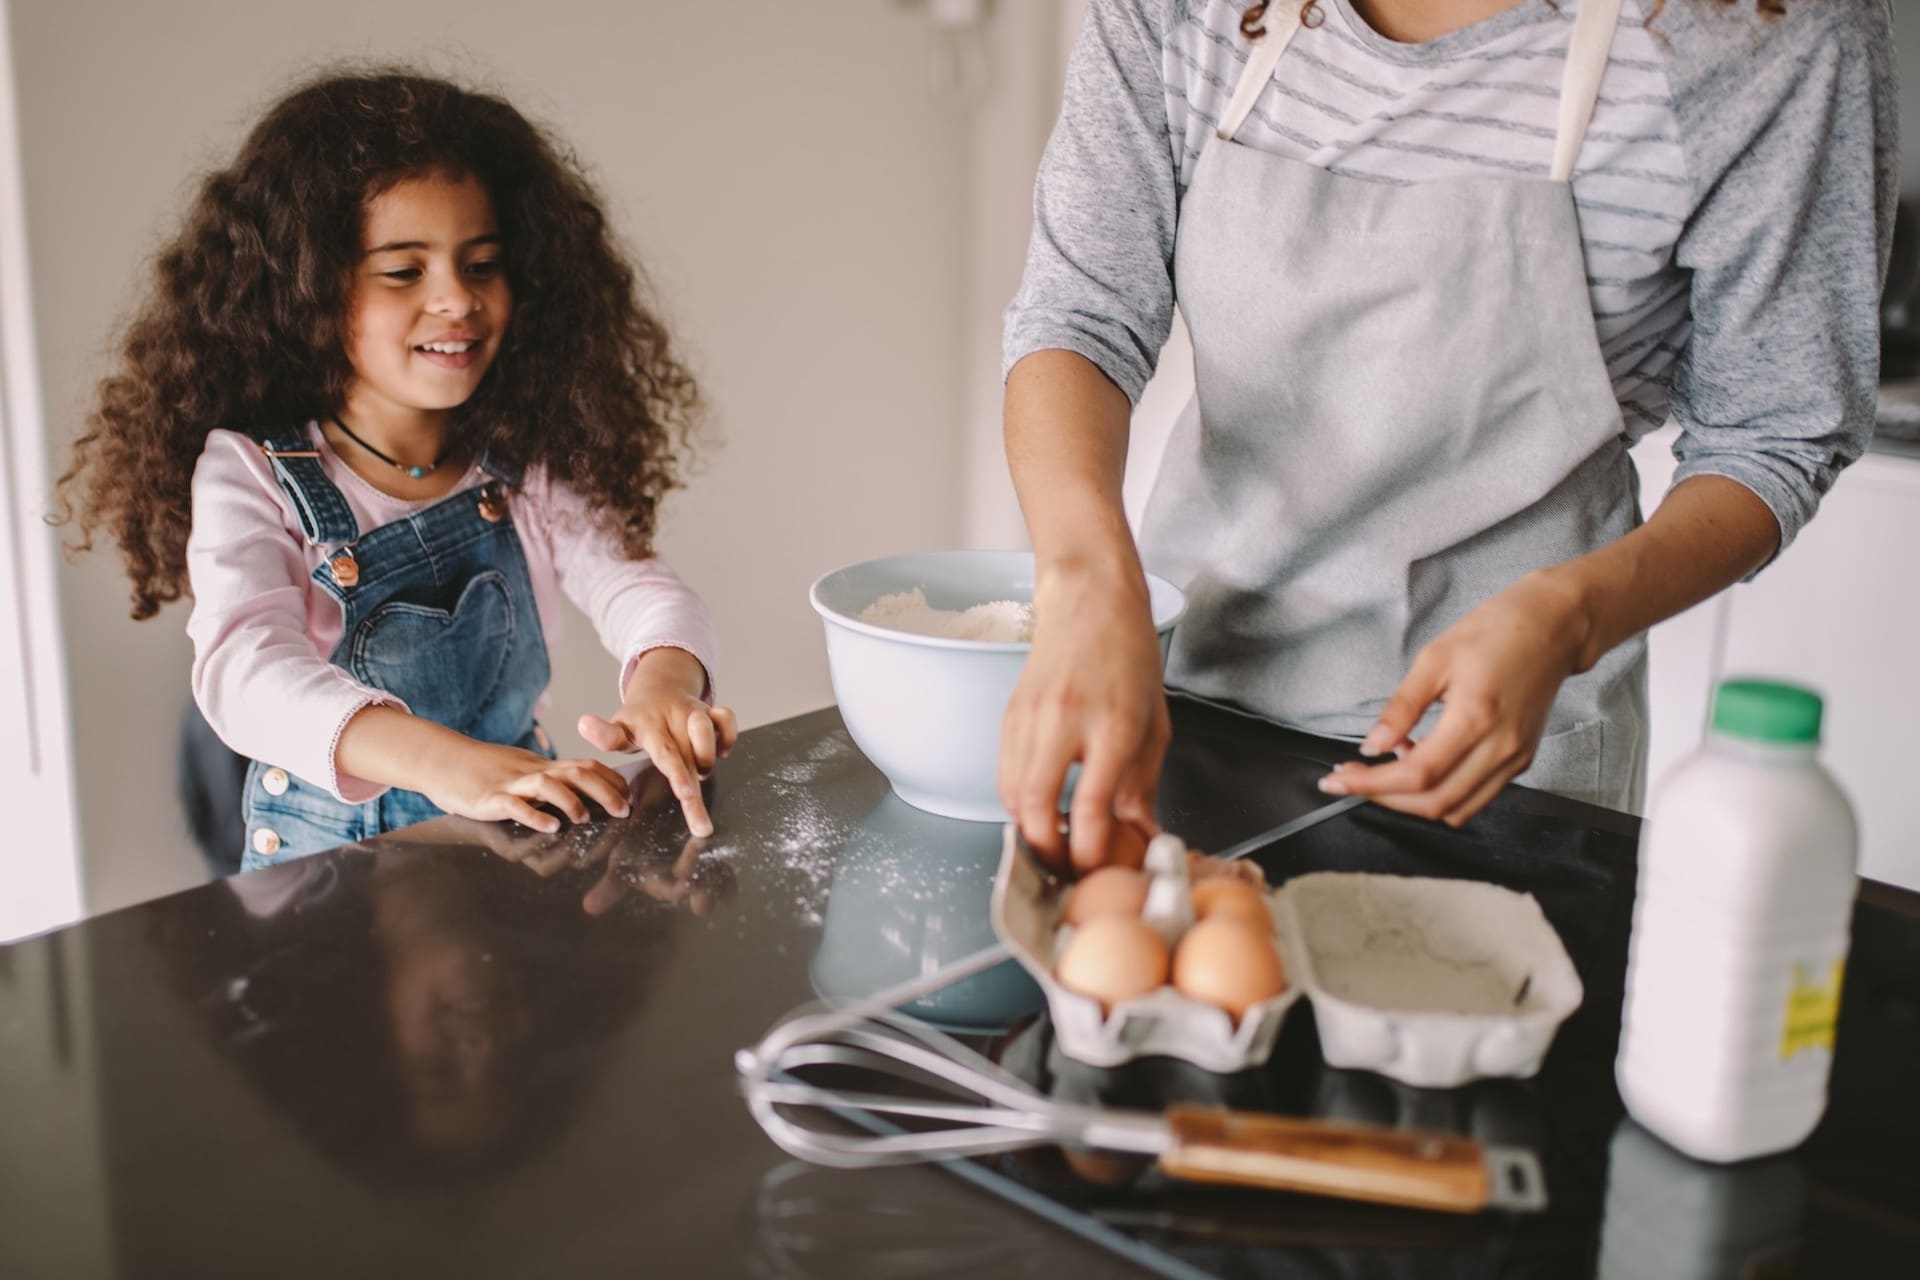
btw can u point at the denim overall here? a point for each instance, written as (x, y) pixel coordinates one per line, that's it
(439, 612)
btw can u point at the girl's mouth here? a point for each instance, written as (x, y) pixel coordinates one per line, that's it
(458, 354)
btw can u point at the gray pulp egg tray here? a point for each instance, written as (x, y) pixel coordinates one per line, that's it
(1430, 982)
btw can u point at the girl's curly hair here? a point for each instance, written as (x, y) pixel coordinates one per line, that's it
(245, 321)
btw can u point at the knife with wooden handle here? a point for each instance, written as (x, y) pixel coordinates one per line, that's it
(1421, 1170)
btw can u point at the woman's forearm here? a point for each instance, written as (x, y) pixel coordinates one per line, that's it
(1066, 438)
(1708, 534)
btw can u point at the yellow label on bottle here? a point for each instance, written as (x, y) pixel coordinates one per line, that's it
(1813, 1007)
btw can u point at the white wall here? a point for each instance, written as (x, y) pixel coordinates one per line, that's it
(796, 184)
(39, 865)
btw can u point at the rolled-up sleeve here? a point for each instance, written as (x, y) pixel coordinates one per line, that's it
(258, 678)
(1793, 147)
(1099, 275)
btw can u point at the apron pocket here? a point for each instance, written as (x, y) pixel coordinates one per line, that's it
(1569, 763)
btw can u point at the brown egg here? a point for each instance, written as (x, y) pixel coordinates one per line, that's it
(1110, 891)
(1113, 958)
(1227, 897)
(1226, 963)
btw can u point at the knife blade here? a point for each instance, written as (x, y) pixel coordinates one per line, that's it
(1305, 822)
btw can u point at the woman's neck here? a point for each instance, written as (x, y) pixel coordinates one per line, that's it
(1415, 21)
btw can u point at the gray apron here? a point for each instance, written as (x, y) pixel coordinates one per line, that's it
(1400, 408)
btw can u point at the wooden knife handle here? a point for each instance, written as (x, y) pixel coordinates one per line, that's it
(1356, 1162)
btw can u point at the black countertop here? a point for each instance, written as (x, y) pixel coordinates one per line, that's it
(465, 1051)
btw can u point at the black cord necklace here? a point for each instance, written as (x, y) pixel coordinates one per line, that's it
(415, 472)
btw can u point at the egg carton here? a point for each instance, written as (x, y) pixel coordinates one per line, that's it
(1430, 982)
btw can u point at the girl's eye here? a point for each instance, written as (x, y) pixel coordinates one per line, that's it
(404, 274)
(486, 269)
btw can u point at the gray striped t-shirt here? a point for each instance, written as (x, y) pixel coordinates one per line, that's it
(1734, 192)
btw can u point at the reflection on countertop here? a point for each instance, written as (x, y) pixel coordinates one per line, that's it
(473, 1049)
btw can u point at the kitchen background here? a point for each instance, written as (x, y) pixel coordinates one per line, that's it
(832, 201)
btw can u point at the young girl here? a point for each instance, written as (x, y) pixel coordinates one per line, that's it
(392, 387)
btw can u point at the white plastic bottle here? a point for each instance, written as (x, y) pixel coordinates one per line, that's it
(1740, 933)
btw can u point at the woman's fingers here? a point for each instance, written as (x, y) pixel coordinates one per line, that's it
(1420, 770)
(1483, 795)
(1091, 830)
(1423, 683)
(1448, 792)
(1140, 777)
(1036, 791)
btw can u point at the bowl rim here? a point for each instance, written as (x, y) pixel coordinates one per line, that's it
(837, 618)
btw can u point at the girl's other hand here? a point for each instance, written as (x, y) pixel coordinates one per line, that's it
(493, 783)
(1090, 692)
(1497, 671)
(665, 716)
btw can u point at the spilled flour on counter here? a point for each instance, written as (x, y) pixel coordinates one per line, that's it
(1005, 621)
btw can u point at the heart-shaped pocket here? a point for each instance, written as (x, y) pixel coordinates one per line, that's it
(447, 666)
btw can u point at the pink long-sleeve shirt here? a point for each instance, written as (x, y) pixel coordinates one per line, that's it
(262, 629)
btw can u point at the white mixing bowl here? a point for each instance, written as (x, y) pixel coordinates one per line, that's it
(926, 710)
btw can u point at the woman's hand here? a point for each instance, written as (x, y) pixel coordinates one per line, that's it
(665, 716)
(482, 780)
(1090, 692)
(1496, 671)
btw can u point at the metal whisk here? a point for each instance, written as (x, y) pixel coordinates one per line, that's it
(983, 1107)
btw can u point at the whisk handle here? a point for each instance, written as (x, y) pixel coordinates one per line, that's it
(1357, 1162)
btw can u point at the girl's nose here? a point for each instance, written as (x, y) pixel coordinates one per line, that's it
(454, 300)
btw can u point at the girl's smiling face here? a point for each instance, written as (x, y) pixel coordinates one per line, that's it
(429, 302)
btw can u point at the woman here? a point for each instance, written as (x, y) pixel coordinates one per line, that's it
(1442, 263)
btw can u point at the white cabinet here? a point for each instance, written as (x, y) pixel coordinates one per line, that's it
(1840, 612)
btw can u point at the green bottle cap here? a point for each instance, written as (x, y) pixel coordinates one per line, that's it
(1767, 710)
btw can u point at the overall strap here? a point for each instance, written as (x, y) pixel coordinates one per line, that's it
(325, 517)
(1587, 54)
(507, 475)
(1283, 21)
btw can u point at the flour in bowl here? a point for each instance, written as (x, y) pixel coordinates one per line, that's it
(999, 620)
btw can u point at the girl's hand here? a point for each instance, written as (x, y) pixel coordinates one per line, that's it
(482, 780)
(1497, 671)
(1090, 691)
(665, 717)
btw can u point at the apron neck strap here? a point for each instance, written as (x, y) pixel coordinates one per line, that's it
(1282, 22)
(1587, 53)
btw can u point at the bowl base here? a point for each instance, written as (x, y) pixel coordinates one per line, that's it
(966, 811)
